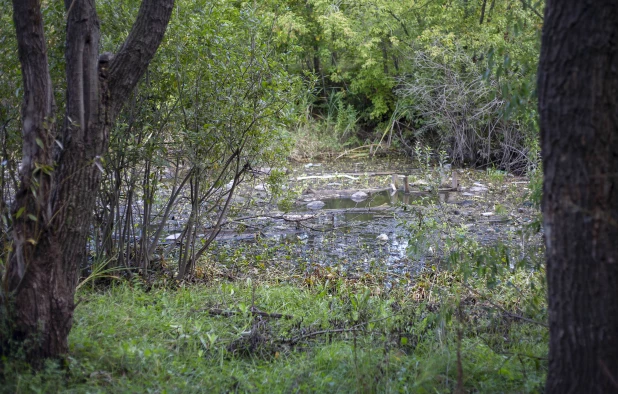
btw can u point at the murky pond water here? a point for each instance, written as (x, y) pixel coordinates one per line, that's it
(379, 199)
(349, 215)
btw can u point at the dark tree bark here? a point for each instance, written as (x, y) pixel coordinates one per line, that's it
(483, 12)
(578, 105)
(53, 208)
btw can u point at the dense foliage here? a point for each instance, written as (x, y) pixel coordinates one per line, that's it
(214, 107)
(194, 126)
(238, 87)
(380, 67)
(455, 74)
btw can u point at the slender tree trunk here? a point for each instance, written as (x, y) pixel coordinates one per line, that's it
(483, 12)
(53, 208)
(491, 10)
(578, 105)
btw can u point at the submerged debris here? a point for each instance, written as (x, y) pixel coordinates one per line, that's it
(359, 196)
(316, 205)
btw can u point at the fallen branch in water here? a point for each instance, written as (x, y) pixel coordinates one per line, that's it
(302, 178)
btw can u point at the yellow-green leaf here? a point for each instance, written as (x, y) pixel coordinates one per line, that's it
(20, 212)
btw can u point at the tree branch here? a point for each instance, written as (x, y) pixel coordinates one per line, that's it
(130, 63)
(38, 133)
(38, 108)
(528, 5)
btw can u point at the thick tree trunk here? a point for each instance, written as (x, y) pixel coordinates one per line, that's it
(30, 294)
(54, 206)
(578, 105)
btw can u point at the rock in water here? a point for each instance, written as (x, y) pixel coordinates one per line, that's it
(382, 238)
(309, 165)
(316, 205)
(173, 237)
(359, 196)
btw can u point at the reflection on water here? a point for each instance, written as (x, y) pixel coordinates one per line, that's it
(383, 198)
(343, 234)
(344, 231)
(375, 200)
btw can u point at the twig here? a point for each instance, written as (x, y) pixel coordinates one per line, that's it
(254, 311)
(370, 146)
(316, 333)
(69, 10)
(524, 355)
(510, 314)
(302, 178)
(459, 389)
(356, 327)
(608, 373)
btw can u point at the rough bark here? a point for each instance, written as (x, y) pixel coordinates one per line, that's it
(53, 208)
(578, 105)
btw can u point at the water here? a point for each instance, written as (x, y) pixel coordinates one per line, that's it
(379, 199)
(355, 235)
(344, 232)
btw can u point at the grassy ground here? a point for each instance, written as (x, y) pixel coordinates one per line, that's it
(472, 321)
(336, 336)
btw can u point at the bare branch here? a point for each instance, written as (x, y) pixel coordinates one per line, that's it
(132, 60)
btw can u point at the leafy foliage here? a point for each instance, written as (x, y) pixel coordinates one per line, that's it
(229, 82)
(365, 52)
(196, 128)
(340, 336)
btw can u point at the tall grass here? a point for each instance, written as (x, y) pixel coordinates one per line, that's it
(342, 336)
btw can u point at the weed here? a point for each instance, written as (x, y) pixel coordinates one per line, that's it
(334, 335)
(496, 176)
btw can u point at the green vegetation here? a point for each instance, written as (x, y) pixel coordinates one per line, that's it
(342, 336)
(235, 91)
(459, 75)
(251, 321)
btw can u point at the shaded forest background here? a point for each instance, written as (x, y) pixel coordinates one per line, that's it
(238, 86)
(458, 74)
(236, 90)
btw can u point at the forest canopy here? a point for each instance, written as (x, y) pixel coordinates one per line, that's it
(362, 63)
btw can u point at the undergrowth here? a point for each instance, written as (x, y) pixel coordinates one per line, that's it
(474, 320)
(315, 140)
(318, 333)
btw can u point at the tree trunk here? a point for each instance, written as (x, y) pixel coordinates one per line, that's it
(578, 105)
(53, 208)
